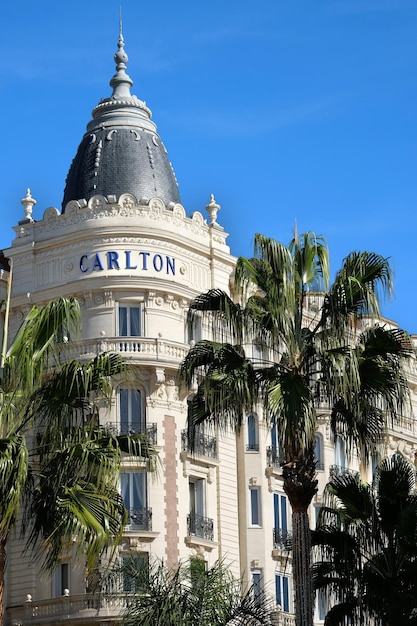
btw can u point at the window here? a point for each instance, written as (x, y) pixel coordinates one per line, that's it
(61, 580)
(282, 596)
(193, 328)
(197, 522)
(280, 511)
(321, 606)
(257, 585)
(340, 453)
(282, 534)
(196, 490)
(317, 509)
(375, 459)
(318, 452)
(253, 443)
(135, 572)
(131, 412)
(130, 321)
(133, 487)
(258, 353)
(255, 506)
(274, 454)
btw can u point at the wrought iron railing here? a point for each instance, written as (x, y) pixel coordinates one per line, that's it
(282, 539)
(252, 447)
(339, 470)
(274, 457)
(200, 526)
(135, 428)
(204, 445)
(140, 519)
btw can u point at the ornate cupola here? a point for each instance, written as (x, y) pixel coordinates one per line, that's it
(121, 152)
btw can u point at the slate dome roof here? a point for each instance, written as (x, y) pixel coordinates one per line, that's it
(121, 151)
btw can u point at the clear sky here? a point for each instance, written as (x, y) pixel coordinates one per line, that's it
(287, 110)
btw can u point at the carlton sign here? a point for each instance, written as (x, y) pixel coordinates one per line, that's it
(127, 260)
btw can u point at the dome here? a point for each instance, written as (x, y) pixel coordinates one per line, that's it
(121, 151)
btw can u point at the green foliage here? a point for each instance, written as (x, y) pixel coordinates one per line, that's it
(310, 354)
(366, 547)
(315, 349)
(186, 595)
(55, 460)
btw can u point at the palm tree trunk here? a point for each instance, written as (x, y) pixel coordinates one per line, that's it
(301, 565)
(2, 568)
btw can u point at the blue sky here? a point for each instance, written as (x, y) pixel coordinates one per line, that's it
(288, 111)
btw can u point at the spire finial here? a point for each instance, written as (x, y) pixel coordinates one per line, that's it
(121, 82)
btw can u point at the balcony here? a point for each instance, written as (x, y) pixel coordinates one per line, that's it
(200, 526)
(71, 609)
(135, 428)
(282, 539)
(336, 471)
(204, 445)
(252, 447)
(153, 350)
(274, 457)
(139, 519)
(282, 618)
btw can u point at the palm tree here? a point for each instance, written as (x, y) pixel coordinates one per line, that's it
(187, 595)
(365, 546)
(315, 354)
(57, 463)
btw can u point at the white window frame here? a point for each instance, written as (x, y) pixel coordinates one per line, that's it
(134, 491)
(252, 427)
(319, 451)
(255, 508)
(131, 411)
(282, 512)
(129, 307)
(257, 582)
(61, 579)
(340, 452)
(193, 328)
(284, 597)
(197, 496)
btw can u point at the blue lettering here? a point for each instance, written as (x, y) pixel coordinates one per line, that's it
(113, 260)
(157, 266)
(94, 263)
(82, 267)
(97, 267)
(128, 265)
(170, 265)
(145, 259)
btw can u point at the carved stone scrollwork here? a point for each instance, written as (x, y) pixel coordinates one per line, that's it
(159, 375)
(156, 206)
(171, 389)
